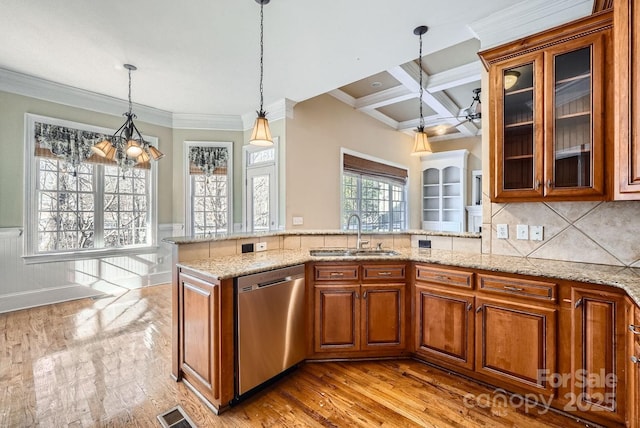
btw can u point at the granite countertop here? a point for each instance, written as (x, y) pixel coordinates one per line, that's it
(311, 232)
(244, 264)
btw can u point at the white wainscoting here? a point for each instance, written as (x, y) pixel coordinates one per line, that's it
(28, 285)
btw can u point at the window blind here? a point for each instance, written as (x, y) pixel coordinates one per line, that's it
(359, 165)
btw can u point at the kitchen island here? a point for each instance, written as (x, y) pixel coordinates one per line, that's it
(483, 300)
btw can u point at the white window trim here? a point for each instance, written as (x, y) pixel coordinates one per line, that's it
(30, 222)
(344, 151)
(246, 149)
(187, 181)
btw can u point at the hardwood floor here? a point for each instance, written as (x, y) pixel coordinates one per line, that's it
(106, 362)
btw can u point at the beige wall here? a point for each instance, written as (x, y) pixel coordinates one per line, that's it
(12, 133)
(319, 128)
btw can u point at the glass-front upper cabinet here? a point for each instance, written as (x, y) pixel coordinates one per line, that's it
(548, 122)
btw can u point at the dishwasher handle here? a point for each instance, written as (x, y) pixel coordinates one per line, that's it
(274, 282)
(270, 283)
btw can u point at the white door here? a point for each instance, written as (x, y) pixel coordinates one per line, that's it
(261, 198)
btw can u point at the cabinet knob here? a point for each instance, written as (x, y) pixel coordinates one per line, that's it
(635, 359)
(635, 329)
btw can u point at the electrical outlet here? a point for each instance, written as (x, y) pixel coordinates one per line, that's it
(298, 221)
(537, 233)
(502, 231)
(261, 246)
(522, 232)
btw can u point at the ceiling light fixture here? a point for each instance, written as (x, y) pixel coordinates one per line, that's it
(421, 145)
(510, 78)
(261, 135)
(474, 111)
(127, 147)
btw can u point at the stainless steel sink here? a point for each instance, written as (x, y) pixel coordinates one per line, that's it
(342, 252)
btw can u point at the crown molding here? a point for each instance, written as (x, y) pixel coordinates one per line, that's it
(219, 122)
(526, 18)
(276, 111)
(35, 87)
(46, 90)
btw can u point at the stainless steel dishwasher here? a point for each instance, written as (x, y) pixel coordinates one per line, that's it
(270, 325)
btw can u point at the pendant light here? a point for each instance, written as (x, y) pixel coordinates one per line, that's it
(421, 145)
(127, 147)
(261, 135)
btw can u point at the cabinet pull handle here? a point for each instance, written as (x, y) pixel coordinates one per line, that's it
(364, 295)
(442, 278)
(469, 306)
(333, 274)
(536, 185)
(386, 273)
(478, 309)
(578, 303)
(635, 359)
(512, 288)
(549, 184)
(357, 295)
(635, 329)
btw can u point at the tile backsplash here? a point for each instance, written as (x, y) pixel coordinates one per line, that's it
(590, 232)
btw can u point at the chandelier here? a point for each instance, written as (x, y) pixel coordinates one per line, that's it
(208, 159)
(127, 147)
(421, 144)
(261, 135)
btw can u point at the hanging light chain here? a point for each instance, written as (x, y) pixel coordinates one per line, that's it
(261, 55)
(421, 125)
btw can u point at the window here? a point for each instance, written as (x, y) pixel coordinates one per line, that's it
(261, 187)
(82, 203)
(376, 192)
(209, 189)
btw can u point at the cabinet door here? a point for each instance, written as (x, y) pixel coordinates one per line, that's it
(517, 113)
(337, 318)
(383, 316)
(598, 334)
(444, 325)
(516, 343)
(576, 123)
(199, 354)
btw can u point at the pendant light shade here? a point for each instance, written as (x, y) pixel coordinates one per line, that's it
(421, 144)
(261, 135)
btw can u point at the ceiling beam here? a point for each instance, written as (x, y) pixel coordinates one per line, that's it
(384, 98)
(458, 76)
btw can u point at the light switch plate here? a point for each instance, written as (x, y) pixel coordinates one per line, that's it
(502, 231)
(537, 233)
(522, 232)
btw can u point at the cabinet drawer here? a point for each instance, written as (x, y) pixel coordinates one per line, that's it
(444, 276)
(370, 272)
(336, 273)
(518, 287)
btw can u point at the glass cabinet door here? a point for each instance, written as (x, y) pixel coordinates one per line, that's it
(519, 131)
(574, 135)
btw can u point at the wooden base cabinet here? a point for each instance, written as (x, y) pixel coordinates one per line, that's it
(205, 329)
(633, 364)
(516, 343)
(598, 353)
(443, 316)
(359, 309)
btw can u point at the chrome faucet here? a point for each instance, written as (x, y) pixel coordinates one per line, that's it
(359, 241)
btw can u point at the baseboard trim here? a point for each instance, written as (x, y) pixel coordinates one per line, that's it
(47, 296)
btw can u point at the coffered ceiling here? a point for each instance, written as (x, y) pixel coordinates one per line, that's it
(198, 60)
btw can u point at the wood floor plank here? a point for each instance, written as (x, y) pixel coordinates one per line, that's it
(106, 362)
